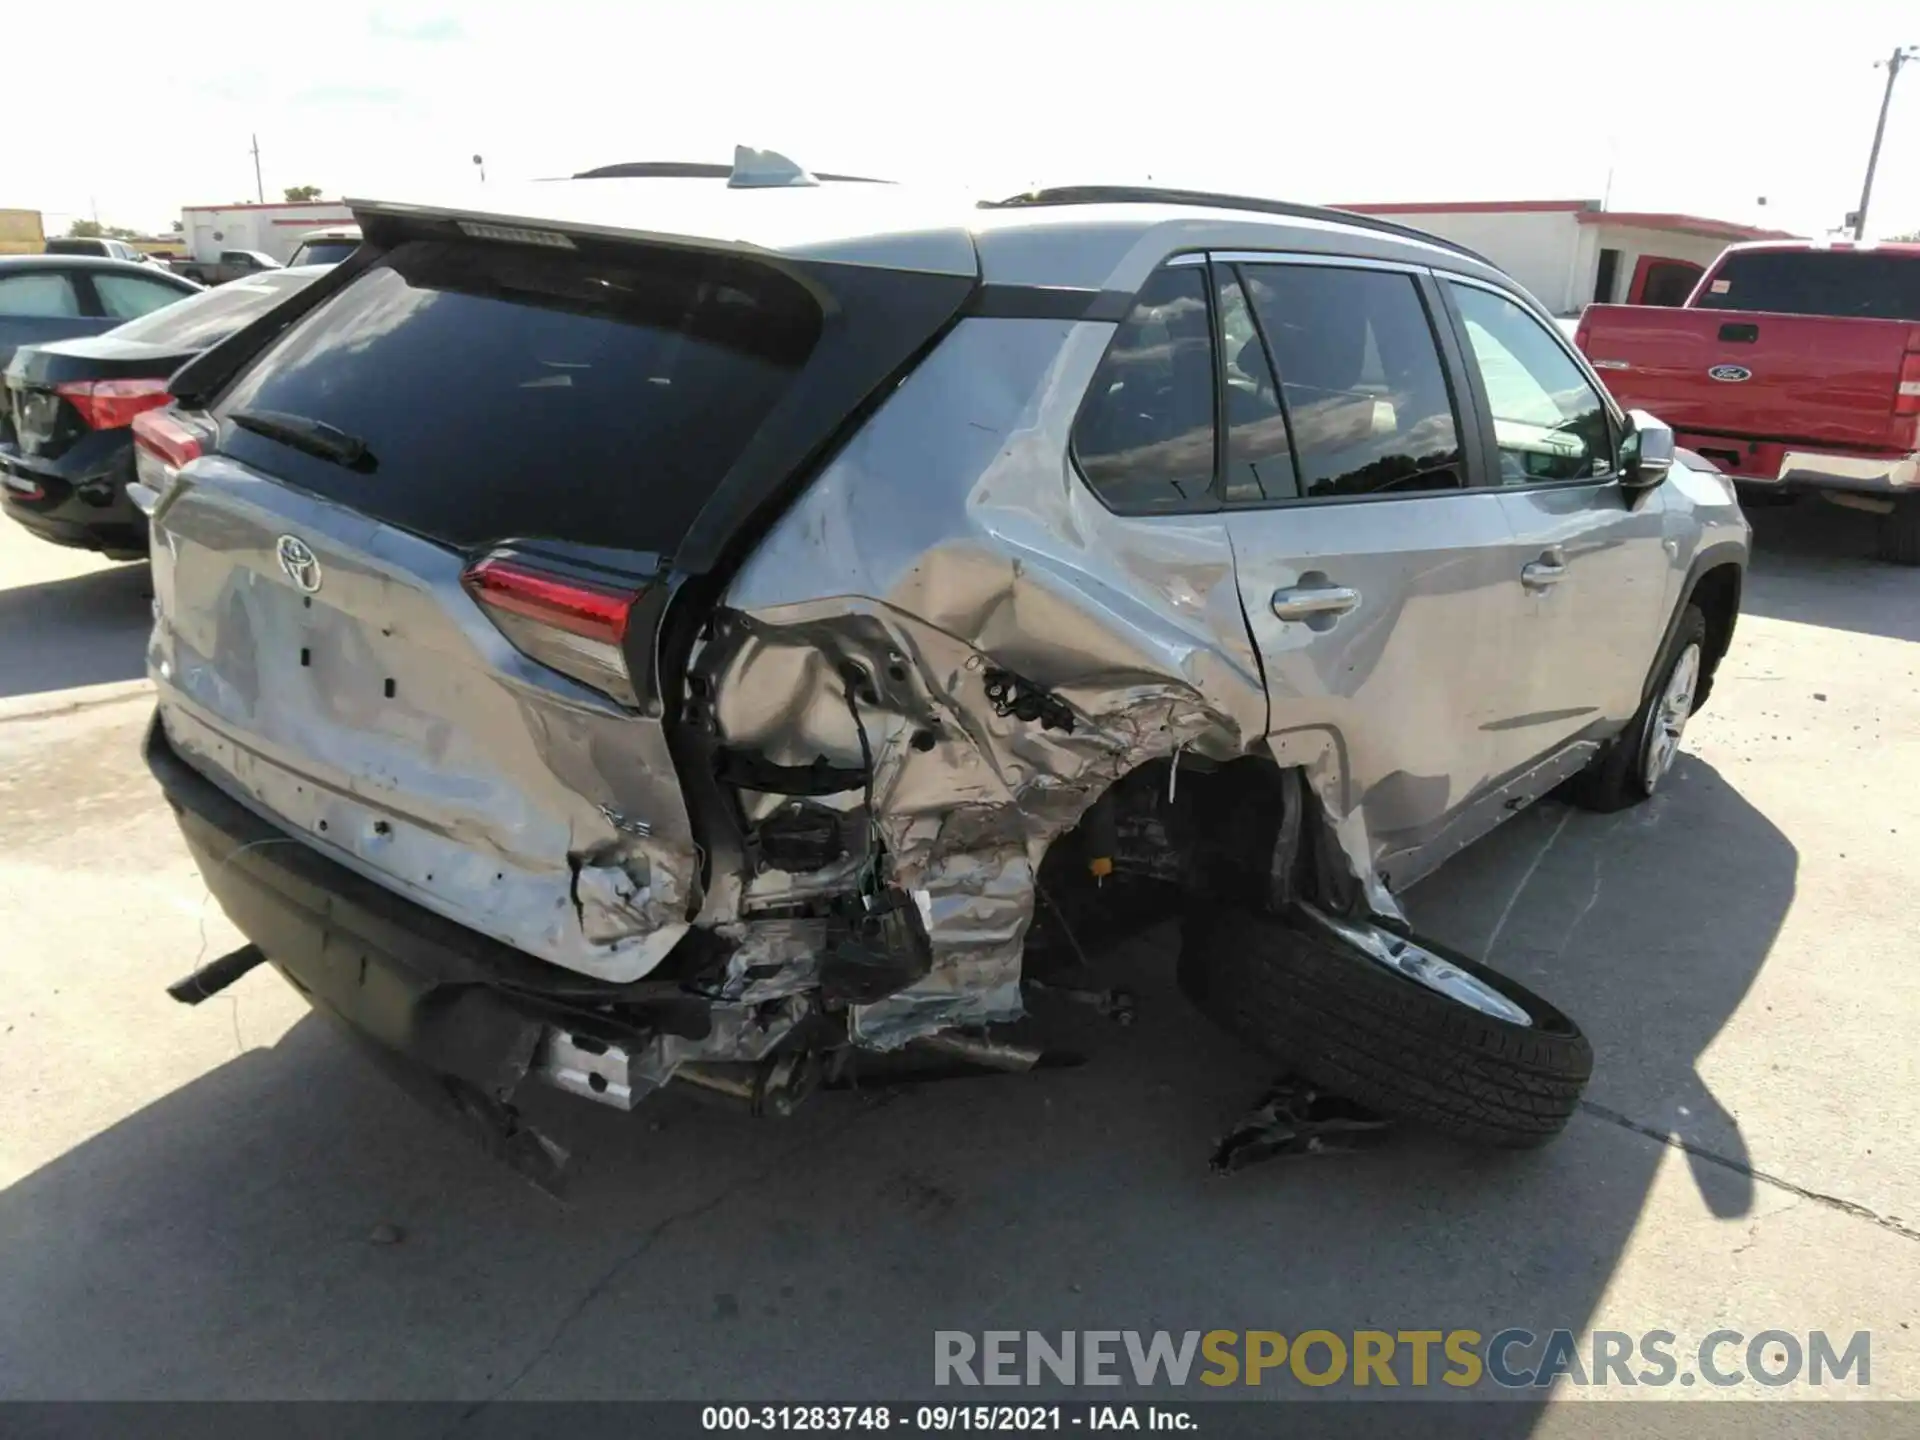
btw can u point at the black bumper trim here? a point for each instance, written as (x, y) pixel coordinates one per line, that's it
(460, 1004)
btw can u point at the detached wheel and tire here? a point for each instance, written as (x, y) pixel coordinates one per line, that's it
(1406, 1027)
(1631, 768)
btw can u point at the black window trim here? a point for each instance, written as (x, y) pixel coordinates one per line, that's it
(92, 307)
(1475, 456)
(1210, 503)
(1231, 269)
(1483, 407)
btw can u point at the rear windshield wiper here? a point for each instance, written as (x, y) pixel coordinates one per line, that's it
(316, 437)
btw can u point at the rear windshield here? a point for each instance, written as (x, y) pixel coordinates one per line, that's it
(324, 252)
(1853, 283)
(501, 391)
(210, 316)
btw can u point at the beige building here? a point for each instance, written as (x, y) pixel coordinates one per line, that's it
(1571, 253)
(21, 233)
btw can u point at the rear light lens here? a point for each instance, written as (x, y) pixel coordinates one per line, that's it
(1906, 400)
(162, 443)
(112, 404)
(575, 626)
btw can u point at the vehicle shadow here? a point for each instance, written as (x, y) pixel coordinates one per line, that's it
(1813, 563)
(221, 1241)
(86, 629)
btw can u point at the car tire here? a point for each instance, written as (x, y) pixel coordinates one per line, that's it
(1898, 533)
(1303, 994)
(1632, 765)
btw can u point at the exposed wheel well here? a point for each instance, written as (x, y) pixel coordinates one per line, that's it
(1717, 594)
(1237, 833)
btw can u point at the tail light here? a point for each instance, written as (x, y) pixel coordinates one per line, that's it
(1906, 399)
(162, 443)
(573, 625)
(112, 404)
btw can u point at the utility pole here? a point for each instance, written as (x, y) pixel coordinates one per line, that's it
(1901, 54)
(261, 190)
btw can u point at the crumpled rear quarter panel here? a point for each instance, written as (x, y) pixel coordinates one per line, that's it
(952, 536)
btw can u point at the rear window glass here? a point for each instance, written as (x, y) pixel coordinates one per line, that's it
(1853, 283)
(324, 252)
(504, 392)
(197, 321)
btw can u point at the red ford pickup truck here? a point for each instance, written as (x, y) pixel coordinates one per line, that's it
(1794, 366)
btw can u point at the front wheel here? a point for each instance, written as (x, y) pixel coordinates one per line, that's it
(1631, 768)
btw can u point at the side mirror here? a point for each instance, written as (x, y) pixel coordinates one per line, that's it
(1646, 455)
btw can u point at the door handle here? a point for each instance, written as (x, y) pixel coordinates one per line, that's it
(1302, 603)
(1550, 569)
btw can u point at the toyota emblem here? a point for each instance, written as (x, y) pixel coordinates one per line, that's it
(299, 562)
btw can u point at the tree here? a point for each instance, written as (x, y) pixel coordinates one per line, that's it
(93, 230)
(178, 227)
(1912, 237)
(303, 192)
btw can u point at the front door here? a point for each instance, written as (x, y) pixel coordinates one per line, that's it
(1375, 560)
(1595, 579)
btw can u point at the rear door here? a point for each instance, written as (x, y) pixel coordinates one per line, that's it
(1595, 580)
(1375, 561)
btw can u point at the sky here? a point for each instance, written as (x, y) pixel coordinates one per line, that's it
(1685, 105)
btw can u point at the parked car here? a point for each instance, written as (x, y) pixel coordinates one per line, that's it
(1795, 367)
(328, 246)
(232, 265)
(685, 630)
(52, 297)
(66, 452)
(105, 248)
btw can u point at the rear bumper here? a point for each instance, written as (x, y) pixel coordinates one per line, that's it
(1783, 467)
(460, 1018)
(87, 512)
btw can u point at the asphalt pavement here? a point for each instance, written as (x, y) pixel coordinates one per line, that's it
(226, 1202)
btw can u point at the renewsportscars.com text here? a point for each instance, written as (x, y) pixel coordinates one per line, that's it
(1512, 1358)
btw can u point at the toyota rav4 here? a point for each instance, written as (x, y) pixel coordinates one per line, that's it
(644, 628)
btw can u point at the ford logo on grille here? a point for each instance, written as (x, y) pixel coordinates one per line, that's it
(299, 562)
(1732, 374)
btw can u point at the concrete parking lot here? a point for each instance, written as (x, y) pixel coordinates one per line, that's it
(193, 1197)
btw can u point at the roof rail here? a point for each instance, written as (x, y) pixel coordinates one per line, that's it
(1158, 195)
(692, 170)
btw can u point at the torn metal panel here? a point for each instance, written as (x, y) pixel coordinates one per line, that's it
(974, 577)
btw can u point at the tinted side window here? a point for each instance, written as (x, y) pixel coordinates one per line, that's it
(1361, 379)
(1260, 465)
(128, 297)
(1548, 421)
(38, 294)
(1144, 438)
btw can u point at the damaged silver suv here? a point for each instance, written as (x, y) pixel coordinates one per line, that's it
(729, 626)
